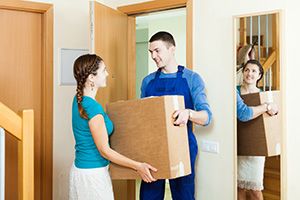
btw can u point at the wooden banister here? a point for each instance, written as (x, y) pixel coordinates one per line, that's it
(23, 129)
(26, 158)
(269, 61)
(10, 121)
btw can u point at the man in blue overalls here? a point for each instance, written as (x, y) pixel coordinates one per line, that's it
(174, 79)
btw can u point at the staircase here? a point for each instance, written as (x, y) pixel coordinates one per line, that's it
(21, 128)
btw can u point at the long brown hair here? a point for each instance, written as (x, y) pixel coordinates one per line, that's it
(84, 66)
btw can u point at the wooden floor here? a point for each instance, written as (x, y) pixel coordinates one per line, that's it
(272, 179)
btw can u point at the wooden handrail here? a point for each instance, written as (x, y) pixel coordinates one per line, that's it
(23, 129)
(269, 61)
(10, 121)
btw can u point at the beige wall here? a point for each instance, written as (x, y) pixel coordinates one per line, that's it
(214, 60)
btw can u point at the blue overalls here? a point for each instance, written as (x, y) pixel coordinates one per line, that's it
(182, 188)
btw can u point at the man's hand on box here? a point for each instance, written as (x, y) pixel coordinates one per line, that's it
(181, 117)
(144, 170)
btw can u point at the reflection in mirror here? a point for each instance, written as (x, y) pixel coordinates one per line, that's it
(258, 128)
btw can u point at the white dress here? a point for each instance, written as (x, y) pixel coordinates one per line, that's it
(90, 184)
(251, 172)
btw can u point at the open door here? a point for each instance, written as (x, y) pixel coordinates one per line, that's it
(113, 37)
(109, 40)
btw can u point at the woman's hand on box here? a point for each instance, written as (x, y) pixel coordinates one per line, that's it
(144, 170)
(273, 109)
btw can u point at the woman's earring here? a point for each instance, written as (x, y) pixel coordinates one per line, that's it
(92, 85)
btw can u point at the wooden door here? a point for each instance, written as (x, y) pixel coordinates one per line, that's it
(26, 83)
(110, 42)
(20, 83)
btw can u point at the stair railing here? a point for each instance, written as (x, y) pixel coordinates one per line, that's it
(22, 128)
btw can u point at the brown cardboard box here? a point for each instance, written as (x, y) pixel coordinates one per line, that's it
(260, 136)
(144, 131)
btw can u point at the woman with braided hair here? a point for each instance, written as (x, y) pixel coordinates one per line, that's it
(89, 176)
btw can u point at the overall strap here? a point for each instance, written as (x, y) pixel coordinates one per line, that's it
(158, 73)
(180, 71)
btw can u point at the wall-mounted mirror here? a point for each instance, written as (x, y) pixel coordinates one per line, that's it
(259, 132)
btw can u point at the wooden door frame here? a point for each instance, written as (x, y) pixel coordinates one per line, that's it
(280, 43)
(46, 10)
(146, 7)
(153, 6)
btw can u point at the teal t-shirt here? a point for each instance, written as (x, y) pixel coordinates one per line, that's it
(86, 152)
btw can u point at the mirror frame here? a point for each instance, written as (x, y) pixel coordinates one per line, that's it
(283, 154)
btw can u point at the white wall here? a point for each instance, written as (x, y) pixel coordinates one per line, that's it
(71, 30)
(292, 42)
(214, 60)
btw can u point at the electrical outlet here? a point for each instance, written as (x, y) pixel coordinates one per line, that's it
(209, 146)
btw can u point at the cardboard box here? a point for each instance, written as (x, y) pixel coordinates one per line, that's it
(260, 136)
(144, 131)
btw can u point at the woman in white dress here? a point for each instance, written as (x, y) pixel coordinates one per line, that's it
(89, 175)
(251, 168)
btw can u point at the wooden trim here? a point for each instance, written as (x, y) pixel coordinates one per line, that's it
(47, 106)
(25, 6)
(10, 121)
(131, 58)
(151, 6)
(20, 170)
(189, 34)
(282, 81)
(234, 114)
(257, 13)
(159, 5)
(275, 43)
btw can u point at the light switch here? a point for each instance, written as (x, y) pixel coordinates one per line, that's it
(209, 146)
